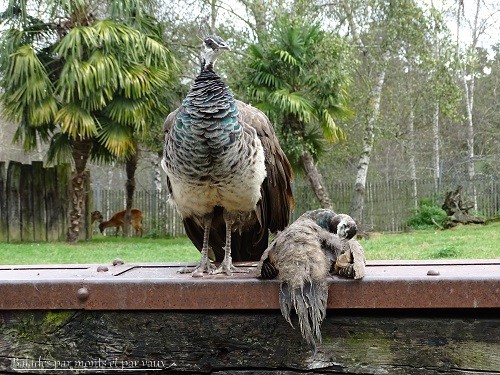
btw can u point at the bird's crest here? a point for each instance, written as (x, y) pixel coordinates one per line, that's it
(204, 30)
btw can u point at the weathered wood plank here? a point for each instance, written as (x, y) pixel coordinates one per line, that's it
(38, 192)
(361, 342)
(52, 205)
(63, 172)
(86, 221)
(26, 197)
(13, 201)
(4, 234)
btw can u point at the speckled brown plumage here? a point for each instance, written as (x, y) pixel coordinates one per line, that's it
(302, 257)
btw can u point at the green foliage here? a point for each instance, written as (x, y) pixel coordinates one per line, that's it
(103, 80)
(461, 242)
(464, 242)
(299, 78)
(447, 251)
(427, 215)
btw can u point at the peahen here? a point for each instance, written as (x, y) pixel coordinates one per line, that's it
(302, 256)
(226, 172)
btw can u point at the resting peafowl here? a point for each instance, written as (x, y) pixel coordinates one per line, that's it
(302, 256)
(226, 172)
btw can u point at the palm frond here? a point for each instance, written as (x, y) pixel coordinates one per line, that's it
(60, 149)
(136, 81)
(77, 80)
(331, 131)
(126, 111)
(76, 121)
(287, 57)
(106, 69)
(117, 139)
(78, 40)
(28, 91)
(293, 102)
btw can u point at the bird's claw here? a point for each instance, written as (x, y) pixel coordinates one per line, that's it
(228, 269)
(200, 269)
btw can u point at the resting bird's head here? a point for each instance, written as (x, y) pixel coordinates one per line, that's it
(344, 226)
(211, 49)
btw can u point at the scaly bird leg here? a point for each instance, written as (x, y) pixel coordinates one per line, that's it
(205, 266)
(227, 263)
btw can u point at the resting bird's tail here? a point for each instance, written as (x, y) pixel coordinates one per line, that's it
(309, 302)
(295, 257)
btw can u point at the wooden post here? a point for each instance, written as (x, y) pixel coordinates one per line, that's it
(26, 204)
(63, 173)
(4, 234)
(52, 205)
(86, 214)
(13, 203)
(39, 212)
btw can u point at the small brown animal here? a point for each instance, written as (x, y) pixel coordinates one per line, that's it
(96, 216)
(118, 220)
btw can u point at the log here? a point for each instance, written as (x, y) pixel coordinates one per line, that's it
(458, 210)
(228, 342)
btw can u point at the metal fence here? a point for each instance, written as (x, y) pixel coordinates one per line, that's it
(388, 205)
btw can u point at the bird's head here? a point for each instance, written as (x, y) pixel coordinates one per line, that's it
(344, 226)
(211, 49)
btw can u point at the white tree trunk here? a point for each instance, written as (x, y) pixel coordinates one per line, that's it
(411, 154)
(468, 84)
(436, 158)
(358, 201)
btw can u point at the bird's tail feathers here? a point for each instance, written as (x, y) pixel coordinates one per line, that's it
(309, 303)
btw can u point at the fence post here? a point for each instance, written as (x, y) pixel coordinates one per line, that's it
(38, 192)
(13, 201)
(63, 172)
(4, 234)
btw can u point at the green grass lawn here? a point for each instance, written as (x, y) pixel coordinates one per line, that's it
(472, 241)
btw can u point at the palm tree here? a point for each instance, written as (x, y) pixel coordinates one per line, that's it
(87, 79)
(299, 78)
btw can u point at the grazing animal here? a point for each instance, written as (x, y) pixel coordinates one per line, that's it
(226, 172)
(302, 256)
(96, 216)
(118, 221)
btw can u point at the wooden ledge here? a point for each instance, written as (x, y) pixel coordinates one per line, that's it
(388, 284)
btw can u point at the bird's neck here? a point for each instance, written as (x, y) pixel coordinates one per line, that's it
(207, 65)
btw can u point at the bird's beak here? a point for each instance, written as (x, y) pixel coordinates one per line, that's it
(225, 47)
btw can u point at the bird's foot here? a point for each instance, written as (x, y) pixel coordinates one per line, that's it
(228, 268)
(205, 266)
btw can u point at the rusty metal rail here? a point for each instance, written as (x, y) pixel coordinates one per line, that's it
(388, 284)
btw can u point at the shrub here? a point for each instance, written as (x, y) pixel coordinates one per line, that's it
(427, 215)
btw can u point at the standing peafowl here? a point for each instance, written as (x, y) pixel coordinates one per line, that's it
(226, 172)
(302, 256)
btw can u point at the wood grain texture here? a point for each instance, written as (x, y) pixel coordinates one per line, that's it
(257, 342)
